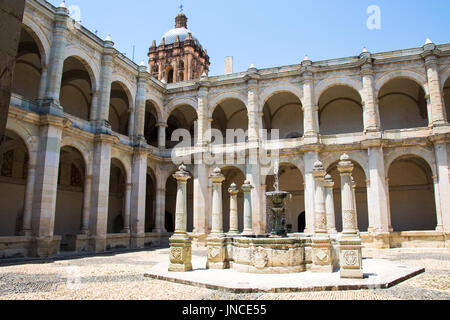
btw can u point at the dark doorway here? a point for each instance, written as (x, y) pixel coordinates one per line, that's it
(301, 222)
(169, 222)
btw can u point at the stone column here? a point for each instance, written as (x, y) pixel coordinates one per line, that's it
(56, 60)
(102, 107)
(86, 204)
(442, 161)
(28, 202)
(234, 219)
(437, 199)
(180, 242)
(217, 179)
(140, 103)
(161, 135)
(216, 241)
(202, 122)
(131, 115)
(354, 203)
(98, 222)
(310, 125)
(138, 198)
(46, 185)
(321, 243)
(438, 117)
(160, 200)
(350, 242)
(253, 111)
(329, 204)
(201, 203)
(310, 157)
(248, 225)
(371, 111)
(43, 82)
(126, 209)
(378, 196)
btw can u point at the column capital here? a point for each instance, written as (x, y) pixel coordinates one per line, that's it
(182, 175)
(162, 125)
(216, 176)
(328, 182)
(345, 166)
(247, 187)
(318, 171)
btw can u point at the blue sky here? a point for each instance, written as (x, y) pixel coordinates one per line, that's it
(269, 33)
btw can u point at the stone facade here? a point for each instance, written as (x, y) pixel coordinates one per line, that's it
(87, 158)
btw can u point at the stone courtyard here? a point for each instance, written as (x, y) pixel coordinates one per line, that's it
(120, 276)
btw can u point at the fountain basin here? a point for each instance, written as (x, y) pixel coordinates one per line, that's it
(267, 255)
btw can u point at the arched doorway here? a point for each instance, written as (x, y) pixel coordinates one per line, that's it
(340, 111)
(14, 160)
(402, 105)
(28, 67)
(411, 195)
(361, 196)
(230, 114)
(150, 202)
(116, 202)
(290, 180)
(182, 117)
(151, 120)
(76, 89)
(69, 199)
(119, 108)
(171, 201)
(236, 176)
(283, 112)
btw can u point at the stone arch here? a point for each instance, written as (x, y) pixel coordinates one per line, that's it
(360, 176)
(326, 84)
(91, 66)
(70, 194)
(425, 154)
(124, 161)
(292, 180)
(174, 104)
(444, 77)
(416, 76)
(127, 87)
(38, 35)
(412, 198)
(157, 104)
(270, 91)
(68, 141)
(233, 174)
(217, 100)
(14, 164)
(26, 135)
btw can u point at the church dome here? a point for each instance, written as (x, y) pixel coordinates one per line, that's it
(180, 30)
(171, 35)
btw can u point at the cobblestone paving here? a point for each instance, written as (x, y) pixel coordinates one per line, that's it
(120, 276)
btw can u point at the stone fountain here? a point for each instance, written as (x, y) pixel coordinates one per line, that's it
(278, 210)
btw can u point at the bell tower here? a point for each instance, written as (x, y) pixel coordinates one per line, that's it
(179, 56)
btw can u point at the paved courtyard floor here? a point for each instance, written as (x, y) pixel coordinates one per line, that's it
(121, 276)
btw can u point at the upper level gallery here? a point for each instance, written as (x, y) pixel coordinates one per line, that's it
(64, 69)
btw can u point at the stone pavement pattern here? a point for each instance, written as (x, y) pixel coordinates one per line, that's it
(121, 276)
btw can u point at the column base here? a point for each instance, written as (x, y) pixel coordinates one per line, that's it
(46, 247)
(137, 241)
(217, 252)
(180, 253)
(351, 258)
(322, 255)
(97, 244)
